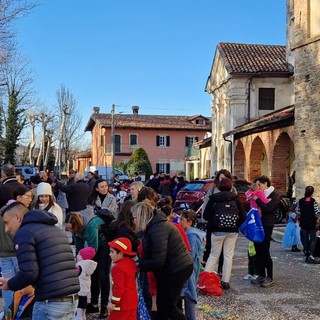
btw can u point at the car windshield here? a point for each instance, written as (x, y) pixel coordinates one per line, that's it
(193, 187)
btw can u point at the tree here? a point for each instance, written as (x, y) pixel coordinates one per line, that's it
(139, 162)
(18, 81)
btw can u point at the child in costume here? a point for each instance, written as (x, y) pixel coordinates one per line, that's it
(196, 237)
(86, 267)
(124, 300)
(291, 236)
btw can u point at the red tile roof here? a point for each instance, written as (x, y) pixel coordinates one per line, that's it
(148, 121)
(254, 58)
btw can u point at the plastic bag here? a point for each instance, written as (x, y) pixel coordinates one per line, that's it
(252, 228)
(209, 284)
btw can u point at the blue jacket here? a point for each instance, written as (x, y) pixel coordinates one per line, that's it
(45, 258)
(196, 239)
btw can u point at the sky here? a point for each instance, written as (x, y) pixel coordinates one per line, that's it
(154, 54)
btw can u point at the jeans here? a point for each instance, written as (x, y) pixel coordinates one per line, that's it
(54, 310)
(9, 267)
(190, 308)
(227, 242)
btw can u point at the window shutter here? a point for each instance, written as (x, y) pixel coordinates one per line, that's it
(168, 168)
(187, 142)
(168, 141)
(158, 141)
(157, 167)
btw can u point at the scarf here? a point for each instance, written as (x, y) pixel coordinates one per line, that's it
(268, 191)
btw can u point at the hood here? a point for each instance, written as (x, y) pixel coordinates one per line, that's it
(88, 266)
(158, 217)
(198, 233)
(223, 196)
(39, 216)
(166, 181)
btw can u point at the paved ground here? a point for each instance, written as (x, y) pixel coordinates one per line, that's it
(295, 296)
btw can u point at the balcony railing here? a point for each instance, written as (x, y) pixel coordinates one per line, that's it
(192, 153)
(122, 148)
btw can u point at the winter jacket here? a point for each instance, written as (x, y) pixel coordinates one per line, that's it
(308, 211)
(220, 197)
(125, 231)
(8, 186)
(90, 235)
(109, 202)
(163, 247)
(6, 243)
(165, 188)
(269, 209)
(56, 210)
(45, 258)
(87, 268)
(196, 239)
(77, 194)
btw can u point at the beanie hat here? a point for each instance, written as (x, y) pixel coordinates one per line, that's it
(87, 253)
(124, 245)
(44, 188)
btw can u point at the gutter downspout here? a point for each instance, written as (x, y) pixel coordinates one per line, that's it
(231, 153)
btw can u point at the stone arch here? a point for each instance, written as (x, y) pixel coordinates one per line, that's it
(258, 159)
(282, 162)
(239, 161)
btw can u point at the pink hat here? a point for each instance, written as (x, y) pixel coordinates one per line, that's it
(87, 253)
(124, 245)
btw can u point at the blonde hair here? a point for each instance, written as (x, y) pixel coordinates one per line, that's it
(143, 213)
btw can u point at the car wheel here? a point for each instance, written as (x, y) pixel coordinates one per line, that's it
(278, 217)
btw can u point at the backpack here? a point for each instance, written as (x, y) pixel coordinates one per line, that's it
(226, 216)
(105, 228)
(209, 284)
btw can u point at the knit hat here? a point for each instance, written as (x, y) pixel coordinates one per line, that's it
(122, 244)
(44, 188)
(87, 253)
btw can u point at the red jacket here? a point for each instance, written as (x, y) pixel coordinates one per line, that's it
(124, 286)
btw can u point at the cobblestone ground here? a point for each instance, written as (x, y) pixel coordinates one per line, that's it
(295, 295)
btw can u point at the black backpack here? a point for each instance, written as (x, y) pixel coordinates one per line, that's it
(226, 216)
(105, 228)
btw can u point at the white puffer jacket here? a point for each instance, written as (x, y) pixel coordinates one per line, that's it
(87, 269)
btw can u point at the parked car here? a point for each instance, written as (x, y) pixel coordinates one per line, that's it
(27, 171)
(105, 172)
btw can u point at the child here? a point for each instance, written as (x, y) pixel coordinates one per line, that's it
(252, 265)
(196, 239)
(254, 191)
(124, 301)
(86, 267)
(45, 202)
(291, 236)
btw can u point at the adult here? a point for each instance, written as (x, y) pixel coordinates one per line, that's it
(86, 232)
(53, 275)
(9, 183)
(34, 181)
(154, 183)
(165, 188)
(100, 198)
(91, 180)
(223, 234)
(135, 188)
(20, 177)
(162, 248)
(71, 177)
(43, 176)
(268, 210)
(23, 195)
(77, 193)
(179, 183)
(308, 211)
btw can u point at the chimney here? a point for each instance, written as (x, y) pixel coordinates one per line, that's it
(135, 109)
(96, 110)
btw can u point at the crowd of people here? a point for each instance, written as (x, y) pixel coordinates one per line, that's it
(128, 243)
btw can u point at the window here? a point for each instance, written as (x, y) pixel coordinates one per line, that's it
(190, 140)
(117, 143)
(266, 98)
(199, 121)
(163, 167)
(163, 141)
(102, 141)
(133, 139)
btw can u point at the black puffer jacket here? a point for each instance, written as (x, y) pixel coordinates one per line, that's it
(268, 210)
(45, 258)
(220, 197)
(164, 251)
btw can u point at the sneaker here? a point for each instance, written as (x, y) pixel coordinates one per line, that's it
(92, 309)
(250, 277)
(225, 285)
(1, 314)
(258, 280)
(103, 312)
(268, 282)
(312, 260)
(295, 249)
